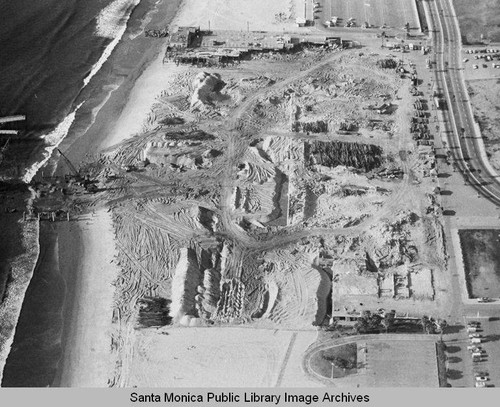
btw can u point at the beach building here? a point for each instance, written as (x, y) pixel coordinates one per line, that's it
(190, 45)
(184, 37)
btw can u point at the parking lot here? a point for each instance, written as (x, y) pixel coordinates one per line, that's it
(480, 63)
(487, 364)
(393, 13)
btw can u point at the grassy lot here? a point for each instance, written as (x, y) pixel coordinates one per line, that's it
(481, 252)
(482, 18)
(335, 362)
(484, 95)
(403, 363)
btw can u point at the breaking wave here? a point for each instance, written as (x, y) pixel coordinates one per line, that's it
(114, 17)
(111, 23)
(52, 141)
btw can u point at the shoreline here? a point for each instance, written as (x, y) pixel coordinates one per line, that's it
(86, 359)
(83, 364)
(36, 348)
(22, 269)
(79, 365)
(116, 81)
(86, 338)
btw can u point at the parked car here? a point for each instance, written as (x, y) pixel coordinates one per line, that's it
(477, 324)
(466, 60)
(475, 66)
(480, 384)
(484, 299)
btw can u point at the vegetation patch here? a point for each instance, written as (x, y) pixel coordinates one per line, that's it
(441, 363)
(335, 362)
(481, 256)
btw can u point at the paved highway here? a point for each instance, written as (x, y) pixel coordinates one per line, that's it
(463, 140)
(465, 144)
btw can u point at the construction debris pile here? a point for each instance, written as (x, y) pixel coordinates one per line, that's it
(207, 88)
(332, 154)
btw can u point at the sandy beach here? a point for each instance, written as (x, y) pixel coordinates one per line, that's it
(155, 78)
(81, 253)
(86, 358)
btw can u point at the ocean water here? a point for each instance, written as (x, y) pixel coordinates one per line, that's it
(47, 48)
(50, 50)
(53, 69)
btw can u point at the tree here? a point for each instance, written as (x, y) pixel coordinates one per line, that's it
(426, 324)
(388, 321)
(340, 362)
(441, 325)
(374, 322)
(361, 326)
(368, 322)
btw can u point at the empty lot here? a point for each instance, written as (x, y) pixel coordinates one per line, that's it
(401, 363)
(480, 249)
(222, 357)
(482, 19)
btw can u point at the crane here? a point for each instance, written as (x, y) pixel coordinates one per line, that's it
(4, 149)
(87, 183)
(70, 165)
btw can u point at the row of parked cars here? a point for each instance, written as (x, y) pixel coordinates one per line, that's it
(482, 51)
(483, 55)
(481, 378)
(493, 65)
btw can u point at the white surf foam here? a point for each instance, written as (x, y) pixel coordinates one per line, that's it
(113, 17)
(52, 141)
(111, 23)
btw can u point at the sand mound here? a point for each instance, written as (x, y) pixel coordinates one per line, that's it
(211, 294)
(207, 89)
(186, 279)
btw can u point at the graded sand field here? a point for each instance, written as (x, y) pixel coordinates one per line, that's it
(217, 357)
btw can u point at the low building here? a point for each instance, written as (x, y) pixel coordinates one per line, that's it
(301, 21)
(184, 37)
